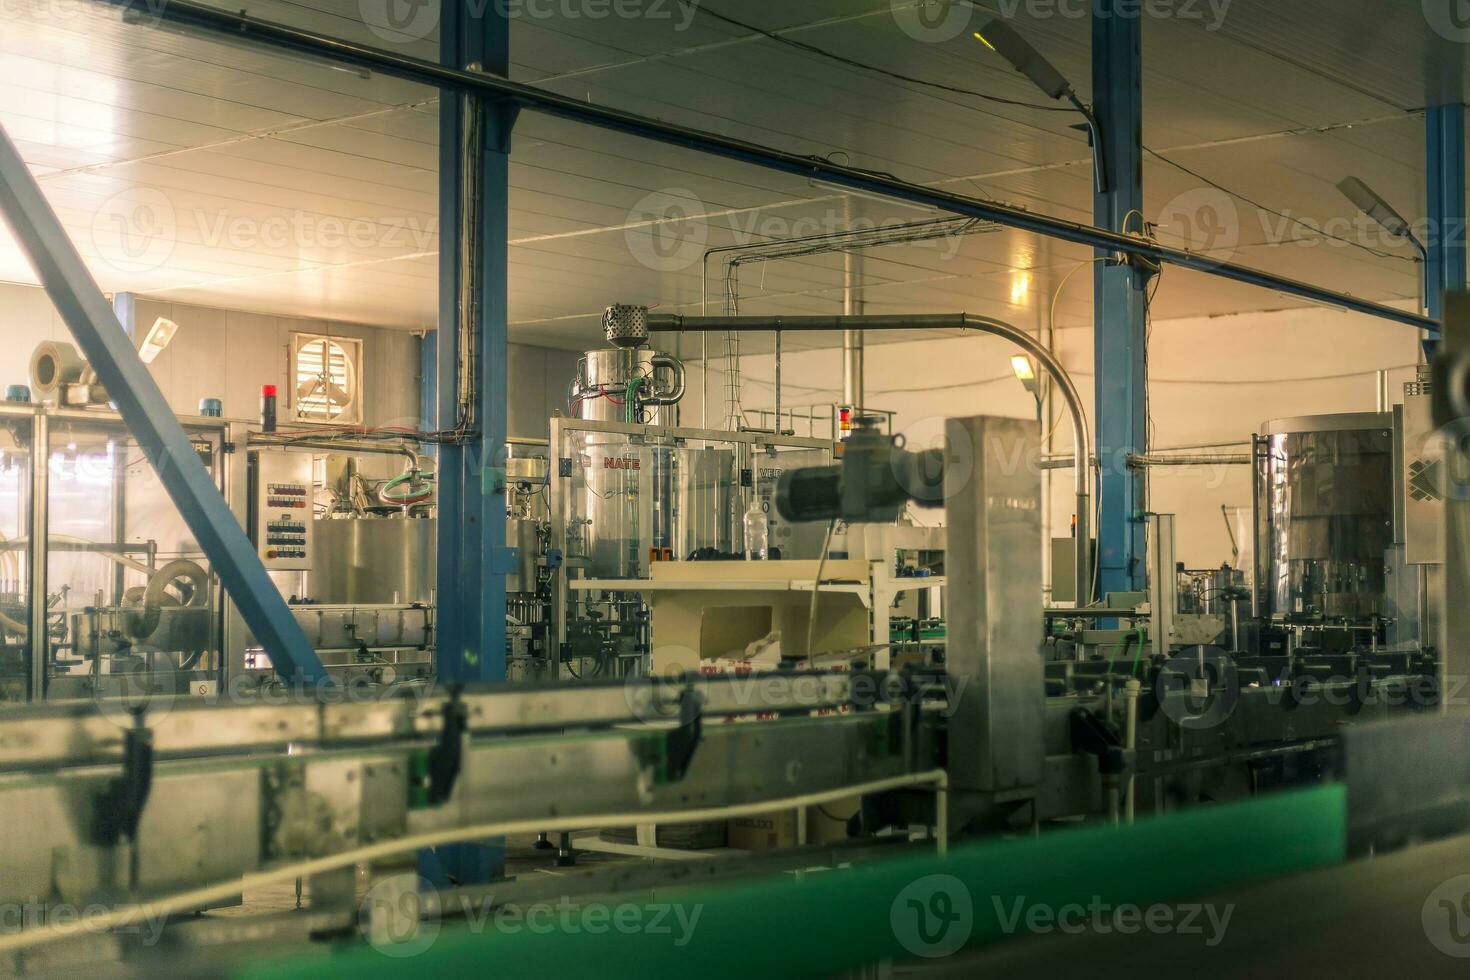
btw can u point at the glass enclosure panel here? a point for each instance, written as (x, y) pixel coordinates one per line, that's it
(628, 499)
(135, 609)
(15, 568)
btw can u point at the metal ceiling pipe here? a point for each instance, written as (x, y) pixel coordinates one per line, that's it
(1081, 438)
(223, 25)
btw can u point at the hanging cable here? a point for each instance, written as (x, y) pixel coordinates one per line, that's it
(700, 8)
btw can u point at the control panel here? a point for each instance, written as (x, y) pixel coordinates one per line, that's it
(281, 516)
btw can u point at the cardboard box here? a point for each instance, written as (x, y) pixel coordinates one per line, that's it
(825, 824)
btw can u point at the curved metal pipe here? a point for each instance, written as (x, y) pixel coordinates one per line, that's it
(1081, 437)
(675, 392)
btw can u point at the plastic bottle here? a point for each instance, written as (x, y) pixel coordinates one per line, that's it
(757, 531)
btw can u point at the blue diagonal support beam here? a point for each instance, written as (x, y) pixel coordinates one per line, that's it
(107, 346)
(1119, 302)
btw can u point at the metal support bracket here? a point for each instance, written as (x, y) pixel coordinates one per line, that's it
(447, 757)
(120, 808)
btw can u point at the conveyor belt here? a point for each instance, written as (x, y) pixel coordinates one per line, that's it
(1374, 917)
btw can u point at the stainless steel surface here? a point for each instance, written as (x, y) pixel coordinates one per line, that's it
(1327, 515)
(253, 806)
(994, 562)
(364, 626)
(373, 560)
(625, 325)
(614, 370)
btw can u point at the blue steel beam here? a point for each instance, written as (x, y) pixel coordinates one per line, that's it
(241, 27)
(1119, 301)
(472, 553)
(1445, 248)
(107, 346)
(473, 558)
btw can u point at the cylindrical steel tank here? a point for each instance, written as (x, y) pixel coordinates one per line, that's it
(373, 560)
(627, 488)
(1324, 488)
(603, 378)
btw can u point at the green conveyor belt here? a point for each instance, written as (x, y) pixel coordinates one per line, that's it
(831, 921)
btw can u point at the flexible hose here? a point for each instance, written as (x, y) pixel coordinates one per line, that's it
(413, 497)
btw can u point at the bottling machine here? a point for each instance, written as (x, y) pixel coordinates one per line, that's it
(1006, 719)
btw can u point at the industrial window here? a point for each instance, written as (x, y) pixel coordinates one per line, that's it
(327, 379)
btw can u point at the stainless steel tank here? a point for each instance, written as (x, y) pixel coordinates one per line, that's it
(626, 497)
(604, 376)
(1324, 500)
(373, 560)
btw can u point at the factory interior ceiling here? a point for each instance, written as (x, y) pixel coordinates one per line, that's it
(227, 176)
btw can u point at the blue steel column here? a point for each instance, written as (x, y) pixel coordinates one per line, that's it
(471, 492)
(429, 386)
(472, 558)
(1118, 297)
(1444, 159)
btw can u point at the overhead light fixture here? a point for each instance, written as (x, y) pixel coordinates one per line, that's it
(1366, 200)
(1025, 371)
(1003, 39)
(159, 336)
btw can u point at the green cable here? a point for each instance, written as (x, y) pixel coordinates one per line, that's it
(630, 401)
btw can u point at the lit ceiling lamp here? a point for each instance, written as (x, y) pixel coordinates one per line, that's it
(1001, 38)
(1366, 200)
(1025, 373)
(157, 339)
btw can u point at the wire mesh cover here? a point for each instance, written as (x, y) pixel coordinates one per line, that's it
(1329, 521)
